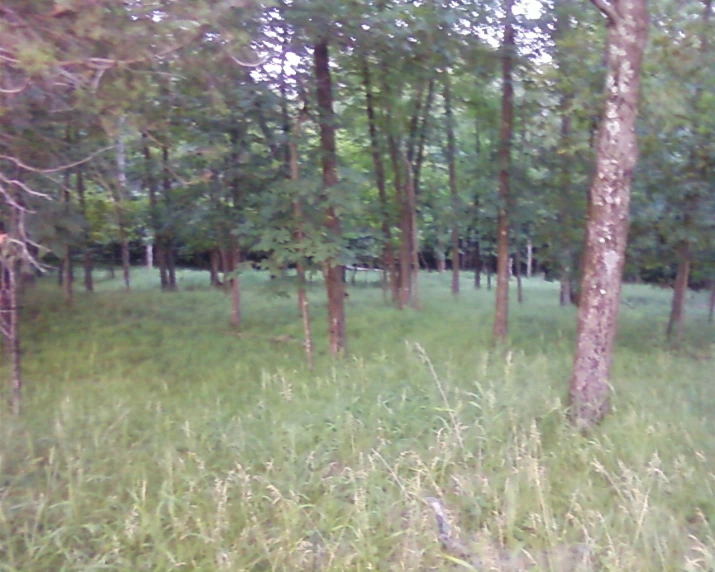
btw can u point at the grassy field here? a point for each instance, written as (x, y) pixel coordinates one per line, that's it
(155, 438)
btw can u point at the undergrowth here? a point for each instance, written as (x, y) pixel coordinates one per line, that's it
(156, 438)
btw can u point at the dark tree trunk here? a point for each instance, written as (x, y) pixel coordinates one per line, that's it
(333, 272)
(691, 204)
(501, 314)
(451, 150)
(565, 294)
(214, 268)
(677, 308)
(711, 303)
(167, 238)
(388, 255)
(607, 226)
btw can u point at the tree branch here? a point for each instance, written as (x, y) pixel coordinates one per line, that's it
(608, 10)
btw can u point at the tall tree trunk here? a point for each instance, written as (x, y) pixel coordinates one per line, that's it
(119, 206)
(501, 314)
(607, 226)
(235, 261)
(150, 184)
(411, 218)
(677, 308)
(388, 255)
(167, 236)
(10, 304)
(691, 203)
(451, 151)
(67, 261)
(333, 272)
(422, 137)
(711, 303)
(404, 276)
(87, 263)
(303, 305)
(477, 266)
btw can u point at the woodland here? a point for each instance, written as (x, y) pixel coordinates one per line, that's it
(254, 255)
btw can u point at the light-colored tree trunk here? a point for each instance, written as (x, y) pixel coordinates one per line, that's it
(119, 206)
(607, 226)
(529, 258)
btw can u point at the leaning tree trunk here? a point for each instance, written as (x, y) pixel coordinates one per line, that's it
(333, 272)
(501, 314)
(608, 217)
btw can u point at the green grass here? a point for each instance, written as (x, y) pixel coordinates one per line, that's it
(154, 438)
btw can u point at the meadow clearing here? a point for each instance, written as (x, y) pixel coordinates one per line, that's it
(156, 438)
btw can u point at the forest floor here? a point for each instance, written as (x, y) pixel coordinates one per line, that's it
(155, 438)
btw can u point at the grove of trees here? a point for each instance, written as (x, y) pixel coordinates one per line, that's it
(403, 135)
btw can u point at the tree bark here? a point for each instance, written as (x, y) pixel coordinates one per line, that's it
(607, 226)
(167, 235)
(303, 304)
(529, 257)
(517, 274)
(477, 266)
(67, 260)
(235, 261)
(119, 207)
(214, 267)
(333, 272)
(451, 165)
(150, 184)
(87, 263)
(711, 303)
(501, 314)
(677, 307)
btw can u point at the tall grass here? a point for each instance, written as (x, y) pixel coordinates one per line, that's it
(155, 438)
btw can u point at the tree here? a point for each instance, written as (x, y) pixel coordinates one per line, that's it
(608, 217)
(501, 314)
(333, 271)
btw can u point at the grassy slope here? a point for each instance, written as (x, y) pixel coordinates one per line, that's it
(156, 439)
